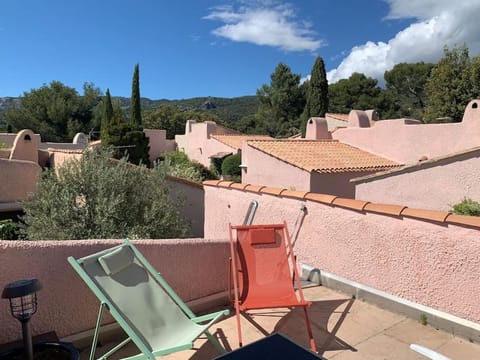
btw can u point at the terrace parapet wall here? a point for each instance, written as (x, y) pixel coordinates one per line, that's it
(426, 256)
(195, 268)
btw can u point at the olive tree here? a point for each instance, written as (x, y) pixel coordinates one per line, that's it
(97, 197)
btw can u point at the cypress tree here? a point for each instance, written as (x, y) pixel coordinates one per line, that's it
(107, 117)
(135, 110)
(317, 93)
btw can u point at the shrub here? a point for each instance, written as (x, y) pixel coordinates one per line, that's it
(467, 207)
(95, 197)
(127, 141)
(177, 163)
(8, 230)
(231, 167)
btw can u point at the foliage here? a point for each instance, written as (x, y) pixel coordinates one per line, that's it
(177, 164)
(316, 93)
(451, 86)
(8, 230)
(406, 82)
(95, 197)
(231, 167)
(467, 207)
(281, 103)
(135, 109)
(107, 118)
(356, 92)
(56, 111)
(173, 119)
(128, 141)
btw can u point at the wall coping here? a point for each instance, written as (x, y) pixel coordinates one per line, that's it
(440, 217)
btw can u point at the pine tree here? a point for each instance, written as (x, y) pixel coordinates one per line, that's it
(317, 93)
(135, 110)
(107, 118)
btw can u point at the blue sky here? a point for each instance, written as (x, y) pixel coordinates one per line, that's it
(224, 48)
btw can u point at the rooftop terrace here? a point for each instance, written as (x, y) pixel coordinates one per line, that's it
(344, 328)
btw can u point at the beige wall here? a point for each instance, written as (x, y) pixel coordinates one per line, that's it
(193, 267)
(58, 157)
(335, 184)
(407, 141)
(436, 264)
(435, 184)
(18, 178)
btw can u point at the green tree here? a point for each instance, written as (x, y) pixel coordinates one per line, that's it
(135, 109)
(356, 92)
(406, 83)
(281, 103)
(107, 118)
(56, 111)
(316, 93)
(231, 167)
(97, 198)
(127, 141)
(449, 87)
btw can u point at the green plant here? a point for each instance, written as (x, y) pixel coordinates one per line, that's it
(8, 230)
(423, 319)
(95, 197)
(231, 167)
(467, 207)
(177, 164)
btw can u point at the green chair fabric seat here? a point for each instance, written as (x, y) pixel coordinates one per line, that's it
(143, 304)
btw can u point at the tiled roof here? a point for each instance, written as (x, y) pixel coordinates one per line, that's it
(222, 130)
(323, 156)
(341, 117)
(236, 141)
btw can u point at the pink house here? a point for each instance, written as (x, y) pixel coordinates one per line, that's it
(206, 140)
(324, 166)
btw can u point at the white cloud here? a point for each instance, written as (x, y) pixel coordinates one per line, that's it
(439, 23)
(265, 23)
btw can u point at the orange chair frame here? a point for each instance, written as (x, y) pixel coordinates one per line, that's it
(262, 263)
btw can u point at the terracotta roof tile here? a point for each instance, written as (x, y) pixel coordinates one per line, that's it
(239, 186)
(350, 203)
(384, 208)
(323, 156)
(236, 141)
(225, 183)
(271, 190)
(294, 193)
(433, 215)
(324, 198)
(211, 182)
(254, 188)
(463, 220)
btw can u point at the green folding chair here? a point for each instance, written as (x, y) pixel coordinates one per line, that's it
(143, 304)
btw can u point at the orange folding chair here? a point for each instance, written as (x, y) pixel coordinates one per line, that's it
(262, 265)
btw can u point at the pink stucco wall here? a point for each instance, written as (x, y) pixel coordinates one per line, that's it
(158, 143)
(18, 178)
(407, 142)
(434, 185)
(265, 169)
(194, 268)
(335, 183)
(436, 265)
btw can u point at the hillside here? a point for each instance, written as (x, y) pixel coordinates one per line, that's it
(229, 110)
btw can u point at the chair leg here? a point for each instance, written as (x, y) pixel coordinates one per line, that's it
(313, 346)
(239, 328)
(215, 342)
